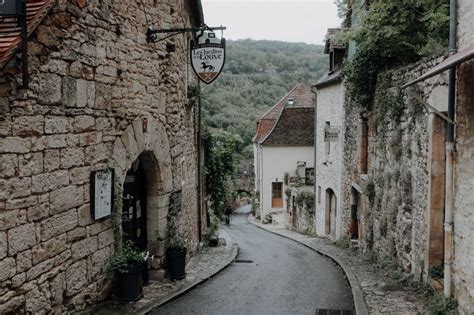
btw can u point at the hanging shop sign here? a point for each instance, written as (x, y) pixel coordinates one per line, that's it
(208, 56)
(102, 193)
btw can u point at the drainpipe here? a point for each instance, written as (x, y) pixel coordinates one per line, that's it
(450, 156)
(315, 92)
(199, 172)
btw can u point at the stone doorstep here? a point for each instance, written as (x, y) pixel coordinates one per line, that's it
(357, 295)
(157, 293)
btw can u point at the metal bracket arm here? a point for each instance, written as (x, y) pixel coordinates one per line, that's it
(152, 34)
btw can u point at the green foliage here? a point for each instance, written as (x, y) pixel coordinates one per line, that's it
(174, 237)
(220, 167)
(394, 32)
(214, 220)
(256, 75)
(344, 242)
(440, 305)
(306, 199)
(127, 256)
(370, 191)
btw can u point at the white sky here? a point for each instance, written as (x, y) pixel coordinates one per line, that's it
(292, 21)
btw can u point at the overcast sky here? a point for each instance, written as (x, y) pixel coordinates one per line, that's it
(291, 21)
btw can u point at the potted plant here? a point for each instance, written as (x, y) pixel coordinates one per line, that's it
(176, 258)
(126, 268)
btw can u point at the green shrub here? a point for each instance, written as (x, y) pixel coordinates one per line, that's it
(344, 242)
(440, 305)
(128, 255)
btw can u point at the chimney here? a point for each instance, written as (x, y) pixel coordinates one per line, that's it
(290, 103)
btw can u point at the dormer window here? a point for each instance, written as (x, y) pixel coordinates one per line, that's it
(331, 61)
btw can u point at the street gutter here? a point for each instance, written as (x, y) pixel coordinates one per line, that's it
(357, 296)
(173, 295)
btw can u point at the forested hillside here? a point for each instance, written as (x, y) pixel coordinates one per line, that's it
(256, 75)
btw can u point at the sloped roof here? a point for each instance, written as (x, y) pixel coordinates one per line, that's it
(295, 127)
(10, 32)
(329, 78)
(302, 96)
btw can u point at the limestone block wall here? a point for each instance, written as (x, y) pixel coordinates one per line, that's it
(99, 96)
(394, 205)
(300, 217)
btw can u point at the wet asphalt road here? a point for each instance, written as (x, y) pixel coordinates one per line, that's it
(283, 278)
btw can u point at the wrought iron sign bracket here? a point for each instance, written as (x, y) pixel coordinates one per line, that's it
(152, 33)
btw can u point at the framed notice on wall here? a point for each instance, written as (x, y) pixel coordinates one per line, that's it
(102, 193)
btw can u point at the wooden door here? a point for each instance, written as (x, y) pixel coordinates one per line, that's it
(277, 195)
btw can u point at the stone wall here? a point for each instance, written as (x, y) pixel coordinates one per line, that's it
(99, 96)
(466, 23)
(463, 265)
(300, 216)
(394, 205)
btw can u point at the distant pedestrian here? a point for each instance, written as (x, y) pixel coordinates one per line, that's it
(228, 213)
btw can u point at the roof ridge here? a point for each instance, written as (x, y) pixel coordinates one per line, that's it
(278, 103)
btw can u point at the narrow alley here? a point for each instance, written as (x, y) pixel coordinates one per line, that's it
(274, 276)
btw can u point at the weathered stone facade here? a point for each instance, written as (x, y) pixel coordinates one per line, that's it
(99, 97)
(463, 265)
(392, 192)
(301, 210)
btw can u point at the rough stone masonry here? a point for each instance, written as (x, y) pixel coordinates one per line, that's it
(99, 96)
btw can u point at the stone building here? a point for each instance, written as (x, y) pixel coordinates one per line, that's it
(463, 264)
(458, 209)
(329, 142)
(285, 136)
(100, 98)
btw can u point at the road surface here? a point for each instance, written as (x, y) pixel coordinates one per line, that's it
(274, 276)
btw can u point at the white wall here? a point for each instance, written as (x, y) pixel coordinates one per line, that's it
(328, 175)
(275, 163)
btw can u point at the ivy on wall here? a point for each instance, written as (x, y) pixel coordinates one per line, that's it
(220, 166)
(391, 33)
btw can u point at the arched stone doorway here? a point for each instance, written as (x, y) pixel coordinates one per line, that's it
(330, 213)
(141, 184)
(143, 152)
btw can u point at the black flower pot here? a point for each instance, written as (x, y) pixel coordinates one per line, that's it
(129, 283)
(176, 262)
(145, 274)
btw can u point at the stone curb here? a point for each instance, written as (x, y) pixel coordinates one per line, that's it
(148, 308)
(357, 296)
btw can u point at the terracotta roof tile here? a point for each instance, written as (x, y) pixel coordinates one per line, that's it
(10, 32)
(302, 96)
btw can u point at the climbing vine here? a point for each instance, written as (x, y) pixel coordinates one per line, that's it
(220, 168)
(392, 32)
(305, 199)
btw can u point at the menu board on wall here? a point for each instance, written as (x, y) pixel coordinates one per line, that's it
(102, 193)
